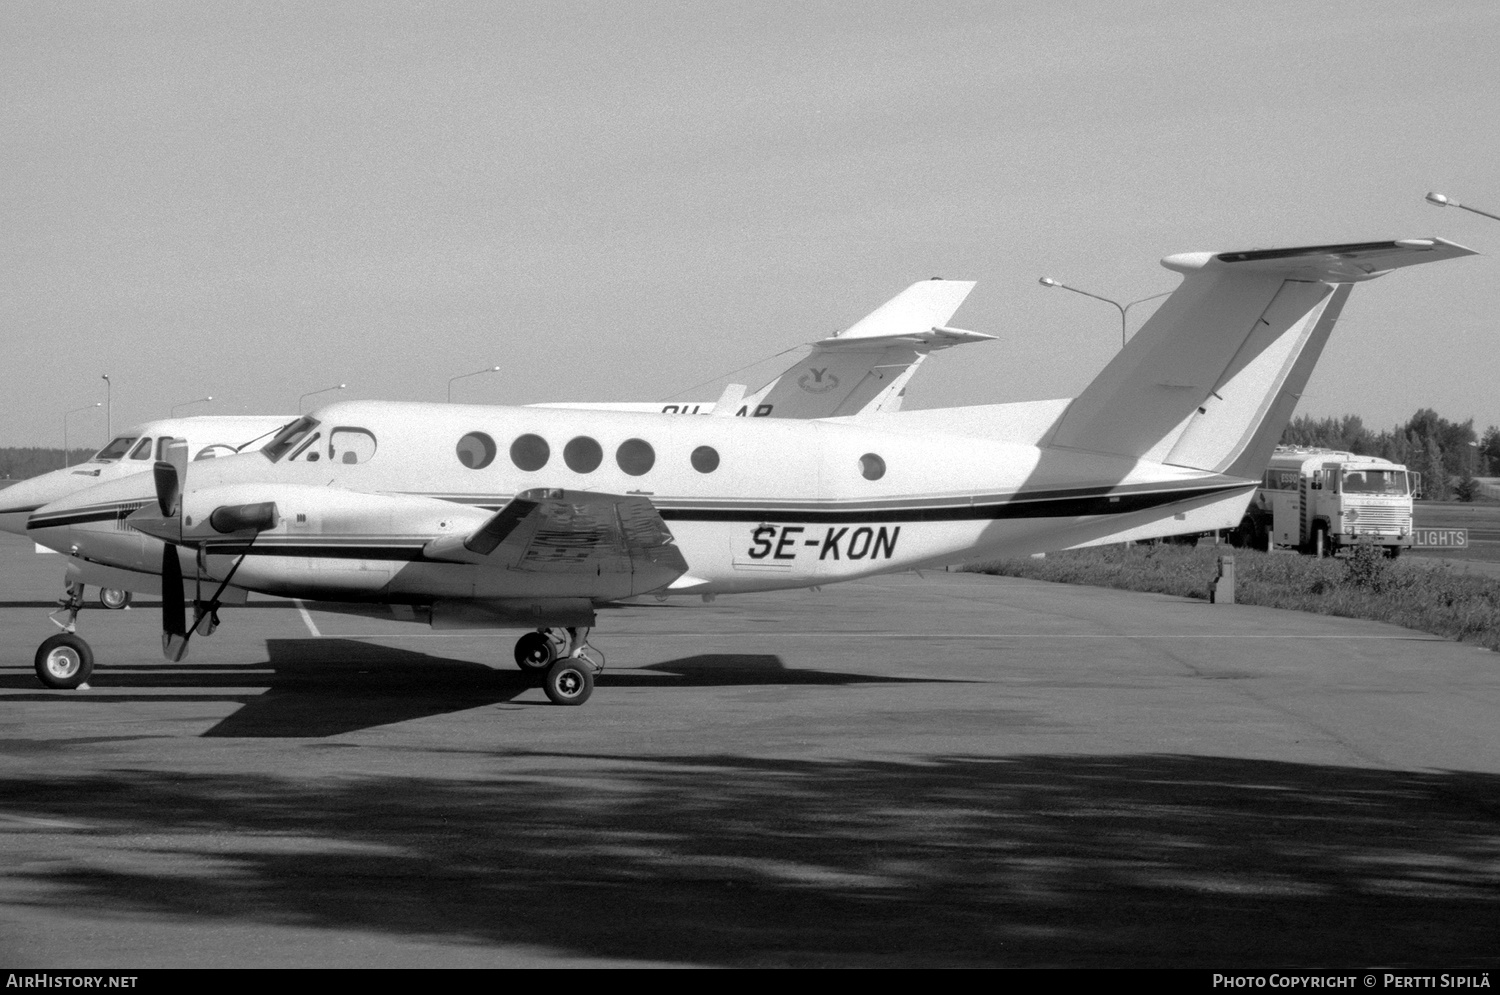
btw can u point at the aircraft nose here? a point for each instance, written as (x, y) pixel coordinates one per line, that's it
(19, 501)
(98, 510)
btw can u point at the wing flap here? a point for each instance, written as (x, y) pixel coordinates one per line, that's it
(610, 545)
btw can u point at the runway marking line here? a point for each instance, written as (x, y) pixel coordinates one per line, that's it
(307, 619)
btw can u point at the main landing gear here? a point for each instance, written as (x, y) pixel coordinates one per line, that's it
(565, 661)
(114, 599)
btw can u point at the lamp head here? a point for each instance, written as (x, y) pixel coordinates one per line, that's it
(1047, 281)
(1433, 197)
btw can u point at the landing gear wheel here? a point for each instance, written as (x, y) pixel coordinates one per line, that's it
(534, 652)
(113, 598)
(569, 682)
(64, 661)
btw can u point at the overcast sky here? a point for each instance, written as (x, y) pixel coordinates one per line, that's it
(616, 201)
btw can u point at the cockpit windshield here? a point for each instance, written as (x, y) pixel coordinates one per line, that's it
(116, 449)
(1390, 483)
(289, 438)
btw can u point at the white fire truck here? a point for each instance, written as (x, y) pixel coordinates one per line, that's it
(1319, 500)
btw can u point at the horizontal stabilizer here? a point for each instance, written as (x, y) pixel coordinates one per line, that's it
(930, 340)
(1212, 378)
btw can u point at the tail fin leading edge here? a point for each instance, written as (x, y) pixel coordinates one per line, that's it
(1211, 380)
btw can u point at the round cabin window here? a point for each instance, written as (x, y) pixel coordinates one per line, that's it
(635, 456)
(476, 450)
(705, 459)
(872, 466)
(583, 455)
(530, 452)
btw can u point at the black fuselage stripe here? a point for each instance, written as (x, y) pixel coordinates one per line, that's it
(1076, 507)
(82, 518)
(1094, 504)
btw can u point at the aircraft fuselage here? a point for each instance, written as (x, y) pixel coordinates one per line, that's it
(753, 504)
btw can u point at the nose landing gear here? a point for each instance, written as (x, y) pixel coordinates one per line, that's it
(64, 662)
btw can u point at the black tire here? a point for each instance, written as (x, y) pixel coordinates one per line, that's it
(1246, 534)
(534, 652)
(1392, 552)
(114, 599)
(569, 682)
(64, 661)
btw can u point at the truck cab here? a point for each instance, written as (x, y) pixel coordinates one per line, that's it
(1319, 501)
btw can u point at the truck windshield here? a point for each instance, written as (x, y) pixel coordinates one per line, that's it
(1387, 482)
(288, 438)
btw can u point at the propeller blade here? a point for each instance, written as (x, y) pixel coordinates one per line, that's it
(168, 488)
(173, 613)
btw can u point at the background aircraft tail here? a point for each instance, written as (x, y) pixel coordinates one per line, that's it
(865, 368)
(1211, 380)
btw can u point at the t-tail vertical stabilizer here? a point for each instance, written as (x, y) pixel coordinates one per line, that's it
(865, 368)
(1211, 380)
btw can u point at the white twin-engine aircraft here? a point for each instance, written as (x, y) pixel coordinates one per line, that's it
(495, 517)
(862, 370)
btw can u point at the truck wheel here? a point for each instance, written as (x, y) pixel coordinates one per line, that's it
(1392, 552)
(1244, 535)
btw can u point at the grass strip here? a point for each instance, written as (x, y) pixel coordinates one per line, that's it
(1422, 596)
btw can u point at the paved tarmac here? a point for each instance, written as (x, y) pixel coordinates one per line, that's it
(942, 770)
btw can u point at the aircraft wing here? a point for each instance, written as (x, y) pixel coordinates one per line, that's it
(605, 542)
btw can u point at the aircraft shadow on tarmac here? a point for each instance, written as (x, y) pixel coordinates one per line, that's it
(1093, 860)
(329, 686)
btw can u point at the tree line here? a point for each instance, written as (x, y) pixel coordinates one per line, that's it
(1448, 455)
(19, 463)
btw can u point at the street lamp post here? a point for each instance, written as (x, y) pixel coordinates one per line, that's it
(1441, 201)
(184, 404)
(339, 386)
(461, 376)
(109, 408)
(1047, 281)
(75, 411)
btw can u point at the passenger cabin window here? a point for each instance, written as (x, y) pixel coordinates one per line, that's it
(476, 450)
(142, 450)
(290, 437)
(351, 445)
(529, 452)
(583, 455)
(635, 456)
(871, 466)
(705, 459)
(116, 449)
